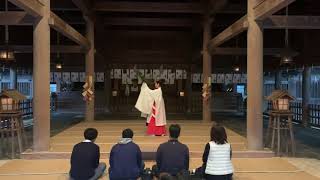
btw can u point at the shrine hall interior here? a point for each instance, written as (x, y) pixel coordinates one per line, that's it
(69, 64)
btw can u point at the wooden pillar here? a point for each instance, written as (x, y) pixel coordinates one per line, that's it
(189, 90)
(306, 85)
(89, 116)
(107, 90)
(277, 79)
(206, 104)
(13, 78)
(255, 81)
(41, 81)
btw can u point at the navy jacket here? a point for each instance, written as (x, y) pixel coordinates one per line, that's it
(125, 161)
(84, 160)
(172, 157)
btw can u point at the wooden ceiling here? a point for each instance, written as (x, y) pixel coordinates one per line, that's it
(168, 31)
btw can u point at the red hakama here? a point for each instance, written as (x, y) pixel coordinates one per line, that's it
(152, 128)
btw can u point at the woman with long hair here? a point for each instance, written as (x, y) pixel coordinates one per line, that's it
(151, 104)
(217, 156)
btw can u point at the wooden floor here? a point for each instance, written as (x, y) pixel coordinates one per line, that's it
(55, 164)
(194, 133)
(245, 169)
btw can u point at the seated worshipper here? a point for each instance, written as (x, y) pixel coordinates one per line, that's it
(217, 156)
(85, 158)
(172, 157)
(165, 176)
(125, 159)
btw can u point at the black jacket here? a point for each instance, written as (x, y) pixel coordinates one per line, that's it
(172, 157)
(84, 160)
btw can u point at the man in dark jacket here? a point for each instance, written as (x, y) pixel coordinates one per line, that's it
(85, 158)
(125, 159)
(172, 156)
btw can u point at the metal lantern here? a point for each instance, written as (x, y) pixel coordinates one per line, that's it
(114, 93)
(58, 65)
(7, 55)
(287, 53)
(236, 68)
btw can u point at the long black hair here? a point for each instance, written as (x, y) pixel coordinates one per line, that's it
(160, 82)
(218, 134)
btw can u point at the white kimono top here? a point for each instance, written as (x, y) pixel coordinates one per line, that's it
(145, 102)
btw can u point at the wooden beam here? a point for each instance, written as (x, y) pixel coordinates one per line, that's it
(155, 7)
(243, 51)
(268, 7)
(54, 49)
(233, 30)
(32, 7)
(294, 22)
(16, 18)
(155, 22)
(78, 49)
(59, 25)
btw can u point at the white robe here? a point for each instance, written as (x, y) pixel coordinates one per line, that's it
(145, 102)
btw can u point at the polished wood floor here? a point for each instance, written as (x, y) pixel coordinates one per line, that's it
(194, 134)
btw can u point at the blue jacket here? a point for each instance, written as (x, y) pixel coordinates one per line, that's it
(125, 161)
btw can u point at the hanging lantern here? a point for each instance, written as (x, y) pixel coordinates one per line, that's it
(236, 68)
(7, 56)
(58, 58)
(59, 65)
(287, 53)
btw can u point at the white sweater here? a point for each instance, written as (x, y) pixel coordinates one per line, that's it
(219, 161)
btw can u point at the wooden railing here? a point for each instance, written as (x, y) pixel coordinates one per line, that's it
(313, 113)
(26, 107)
(296, 108)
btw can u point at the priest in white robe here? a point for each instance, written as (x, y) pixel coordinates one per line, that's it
(151, 104)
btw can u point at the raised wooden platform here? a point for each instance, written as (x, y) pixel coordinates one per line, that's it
(194, 133)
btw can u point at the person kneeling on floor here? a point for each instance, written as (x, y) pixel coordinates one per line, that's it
(85, 158)
(172, 157)
(126, 159)
(217, 164)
